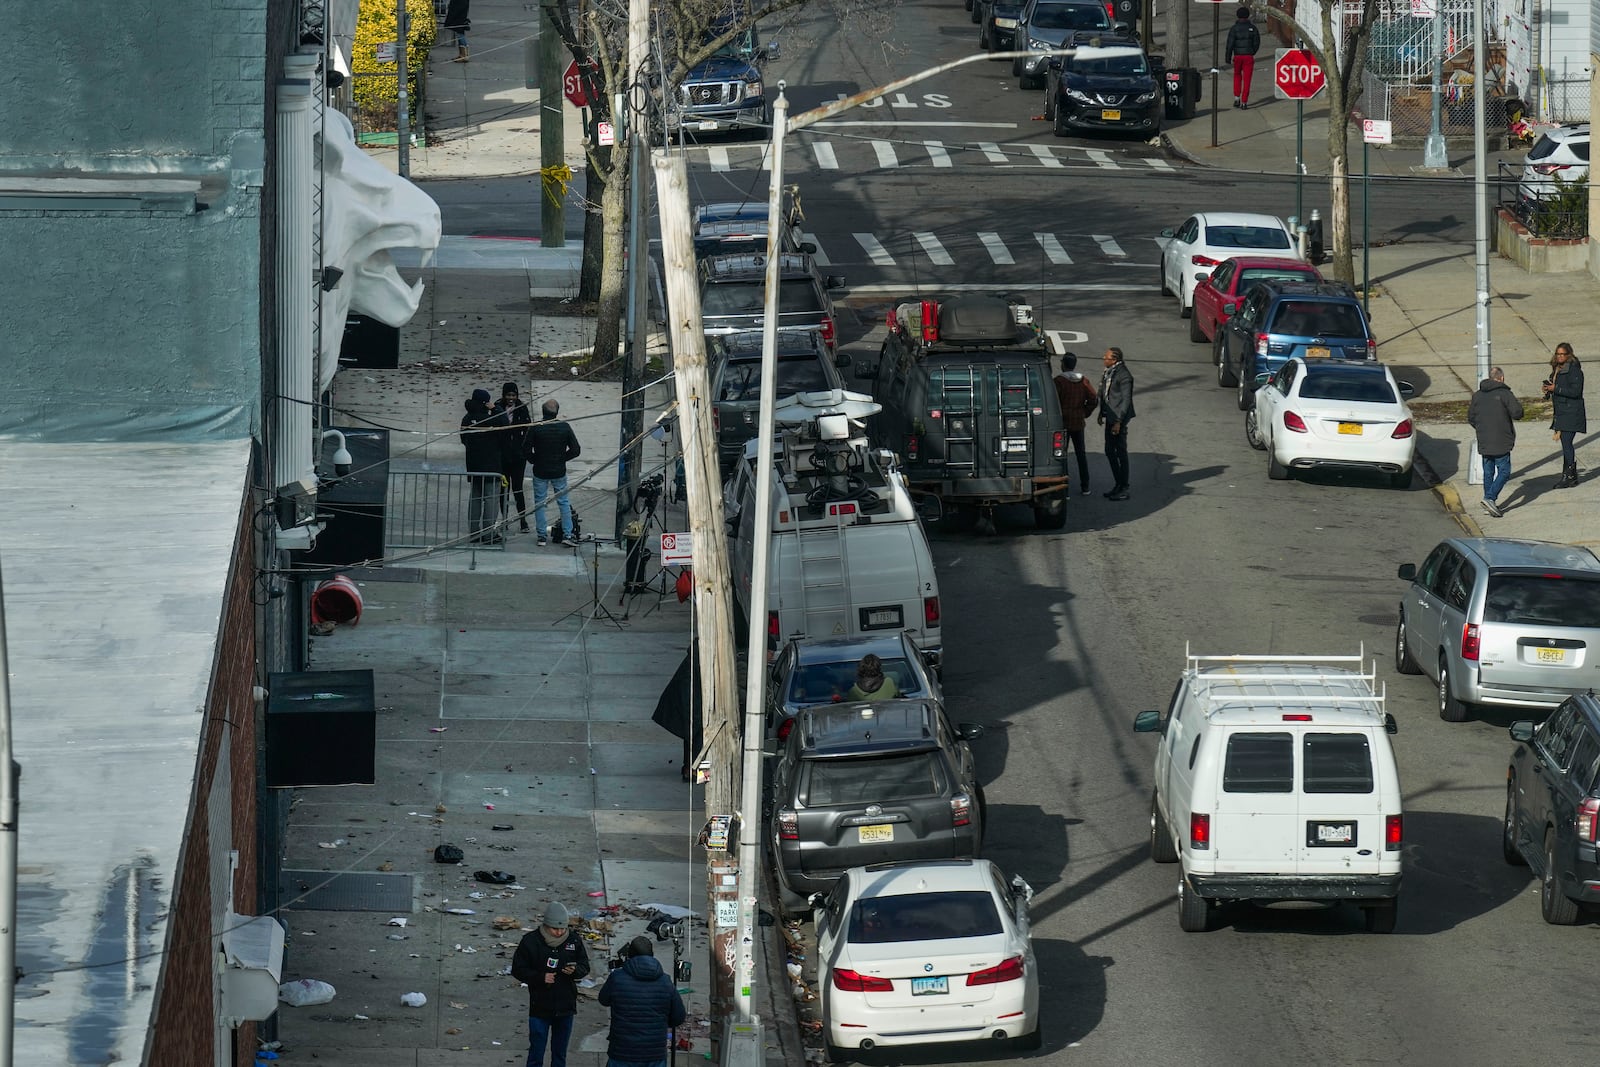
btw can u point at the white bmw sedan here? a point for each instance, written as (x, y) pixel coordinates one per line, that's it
(926, 952)
(1333, 413)
(1191, 251)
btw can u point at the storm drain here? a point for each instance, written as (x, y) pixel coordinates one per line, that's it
(348, 891)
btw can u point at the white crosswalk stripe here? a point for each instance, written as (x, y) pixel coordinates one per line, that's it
(955, 248)
(936, 153)
(1158, 163)
(930, 244)
(1052, 249)
(997, 248)
(1044, 155)
(1108, 244)
(875, 251)
(819, 256)
(886, 156)
(992, 153)
(717, 156)
(824, 153)
(850, 154)
(1100, 158)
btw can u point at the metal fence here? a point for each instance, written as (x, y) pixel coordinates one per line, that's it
(375, 123)
(1554, 210)
(437, 511)
(1410, 108)
(1564, 100)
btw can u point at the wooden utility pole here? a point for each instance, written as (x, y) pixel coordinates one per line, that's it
(713, 581)
(552, 144)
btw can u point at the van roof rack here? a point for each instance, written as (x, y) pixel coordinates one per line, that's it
(1305, 683)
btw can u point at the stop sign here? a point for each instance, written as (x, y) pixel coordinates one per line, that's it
(1296, 74)
(572, 86)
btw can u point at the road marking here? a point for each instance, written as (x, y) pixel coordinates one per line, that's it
(997, 248)
(936, 153)
(1099, 158)
(930, 244)
(1044, 155)
(824, 153)
(891, 122)
(819, 257)
(886, 157)
(1158, 163)
(1108, 244)
(875, 251)
(992, 153)
(718, 156)
(1052, 249)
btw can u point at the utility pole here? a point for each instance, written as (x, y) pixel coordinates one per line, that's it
(1177, 34)
(402, 121)
(713, 584)
(9, 783)
(1433, 153)
(1480, 191)
(552, 130)
(633, 360)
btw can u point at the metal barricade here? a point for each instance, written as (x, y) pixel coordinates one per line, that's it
(439, 511)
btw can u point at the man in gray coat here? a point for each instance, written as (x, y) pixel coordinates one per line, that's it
(1116, 408)
(1494, 412)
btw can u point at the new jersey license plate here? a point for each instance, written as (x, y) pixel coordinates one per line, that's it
(869, 835)
(1552, 655)
(927, 987)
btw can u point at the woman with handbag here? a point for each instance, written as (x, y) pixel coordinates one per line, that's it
(1564, 387)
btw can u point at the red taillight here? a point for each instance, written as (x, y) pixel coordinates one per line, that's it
(1203, 261)
(785, 728)
(1296, 717)
(1393, 832)
(716, 420)
(827, 330)
(960, 810)
(772, 631)
(1262, 343)
(1546, 168)
(1058, 442)
(1471, 641)
(1199, 830)
(788, 824)
(1293, 422)
(930, 611)
(1009, 971)
(1372, 348)
(930, 321)
(894, 322)
(1588, 820)
(851, 982)
(837, 510)
(912, 443)
(1403, 430)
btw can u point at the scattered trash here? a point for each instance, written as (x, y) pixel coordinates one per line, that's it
(588, 983)
(398, 937)
(413, 1000)
(598, 893)
(440, 809)
(506, 922)
(448, 854)
(499, 791)
(495, 877)
(386, 866)
(487, 806)
(475, 895)
(459, 911)
(502, 826)
(465, 949)
(671, 911)
(305, 992)
(453, 1031)
(335, 843)
(457, 1005)
(398, 920)
(437, 729)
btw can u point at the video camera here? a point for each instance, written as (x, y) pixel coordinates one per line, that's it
(648, 495)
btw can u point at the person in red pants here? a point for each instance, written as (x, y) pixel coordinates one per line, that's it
(1244, 41)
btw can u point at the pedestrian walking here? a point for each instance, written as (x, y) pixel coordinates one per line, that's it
(645, 1008)
(1244, 41)
(871, 682)
(551, 961)
(1078, 401)
(457, 21)
(481, 428)
(549, 445)
(1493, 413)
(513, 462)
(1116, 409)
(1564, 387)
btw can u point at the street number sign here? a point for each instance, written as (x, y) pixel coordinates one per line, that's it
(572, 86)
(1296, 74)
(1377, 131)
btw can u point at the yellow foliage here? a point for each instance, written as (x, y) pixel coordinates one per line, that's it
(375, 23)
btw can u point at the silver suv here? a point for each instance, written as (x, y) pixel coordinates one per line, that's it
(1499, 621)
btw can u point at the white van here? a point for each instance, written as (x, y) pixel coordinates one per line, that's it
(1275, 780)
(848, 555)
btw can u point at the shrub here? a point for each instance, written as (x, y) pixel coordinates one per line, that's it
(373, 93)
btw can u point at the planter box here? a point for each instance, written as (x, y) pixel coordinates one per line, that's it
(1538, 255)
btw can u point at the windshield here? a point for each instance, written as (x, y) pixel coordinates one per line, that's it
(1541, 600)
(1321, 384)
(741, 379)
(1250, 275)
(738, 48)
(1123, 66)
(748, 298)
(1070, 17)
(1246, 237)
(820, 683)
(1317, 318)
(922, 917)
(877, 780)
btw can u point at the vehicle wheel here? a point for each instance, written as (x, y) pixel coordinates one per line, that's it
(1051, 516)
(1226, 379)
(1049, 103)
(983, 36)
(1403, 662)
(1247, 395)
(1194, 911)
(1252, 431)
(1060, 128)
(1161, 272)
(1162, 848)
(1450, 709)
(1016, 68)
(977, 15)
(1275, 470)
(1508, 829)
(837, 1054)
(1402, 480)
(1184, 310)
(1557, 908)
(1194, 330)
(1025, 83)
(1380, 917)
(1034, 1041)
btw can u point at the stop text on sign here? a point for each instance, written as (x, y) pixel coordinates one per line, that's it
(1296, 75)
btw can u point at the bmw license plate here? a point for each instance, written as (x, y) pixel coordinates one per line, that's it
(1552, 655)
(1110, 115)
(869, 835)
(1330, 834)
(1351, 428)
(1316, 352)
(927, 987)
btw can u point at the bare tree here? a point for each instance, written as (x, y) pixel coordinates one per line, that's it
(1343, 56)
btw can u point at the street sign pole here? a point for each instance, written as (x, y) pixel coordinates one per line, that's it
(1216, 103)
(1366, 223)
(1297, 76)
(1299, 157)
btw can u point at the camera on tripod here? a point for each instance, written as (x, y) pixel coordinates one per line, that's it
(648, 495)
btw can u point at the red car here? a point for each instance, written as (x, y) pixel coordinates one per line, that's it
(1217, 296)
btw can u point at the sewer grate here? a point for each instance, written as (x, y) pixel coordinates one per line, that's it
(350, 891)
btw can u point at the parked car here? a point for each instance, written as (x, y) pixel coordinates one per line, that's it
(740, 227)
(726, 91)
(1281, 320)
(1553, 807)
(926, 953)
(1205, 240)
(1503, 622)
(1048, 24)
(733, 295)
(1558, 155)
(822, 670)
(804, 363)
(870, 782)
(1224, 289)
(997, 24)
(1275, 781)
(1320, 414)
(1113, 87)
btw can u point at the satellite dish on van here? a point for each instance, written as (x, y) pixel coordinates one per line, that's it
(805, 407)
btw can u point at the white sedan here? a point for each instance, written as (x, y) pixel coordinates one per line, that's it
(1332, 413)
(926, 952)
(1189, 252)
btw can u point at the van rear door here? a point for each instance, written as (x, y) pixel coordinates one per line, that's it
(984, 413)
(1341, 809)
(1255, 823)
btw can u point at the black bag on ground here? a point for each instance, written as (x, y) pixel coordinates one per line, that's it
(448, 854)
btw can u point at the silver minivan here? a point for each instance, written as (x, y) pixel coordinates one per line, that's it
(1500, 621)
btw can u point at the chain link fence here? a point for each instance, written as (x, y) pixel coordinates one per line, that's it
(375, 123)
(1410, 108)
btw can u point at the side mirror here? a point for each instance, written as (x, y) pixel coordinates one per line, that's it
(1406, 572)
(843, 361)
(1021, 889)
(930, 508)
(1121, 29)
(818, 901)
(1147, 722)
(866, 368)
(769, 747)
(1229, 308)
(1521, 730)
(1166, 232)
(1262, 379)
(969, 731)
(808, 248)
(1389, 725)
(835, 281)
(1407, 390)
(771, 50)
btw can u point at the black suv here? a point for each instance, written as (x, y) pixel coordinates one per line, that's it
(1280, 320)
(1108, 85)
(733, 295)
(1553, 806)
(970, 406)
(870, 782)
(804, 366)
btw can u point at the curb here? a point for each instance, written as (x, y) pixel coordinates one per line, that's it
(1172, 146)
(1449, 497)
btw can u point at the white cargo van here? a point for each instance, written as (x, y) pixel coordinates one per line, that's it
(1275, 780)
(848, 553)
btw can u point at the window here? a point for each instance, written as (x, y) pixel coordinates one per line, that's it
(922, 917)
(1584, 756)
(1223, 275)
(1251, 275)
(1337, 763)
(871, 781)
(1554, 734)
(741, 379)
(1318, 318)
(1542, 600)
(795, 295)
(1195, 751)
(816, 683)
(1284, 379)
(1259, 763)
(1445, 574)
(1430, 566)
(1070, 17)
(1246, 237)
(1323, 383)
(1459, 589)
(1131, 65)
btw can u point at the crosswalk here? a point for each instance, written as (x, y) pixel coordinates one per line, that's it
(853, 155)
(983, 247)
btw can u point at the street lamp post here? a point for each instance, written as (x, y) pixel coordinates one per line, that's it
(1433, 153)
(1480, 192)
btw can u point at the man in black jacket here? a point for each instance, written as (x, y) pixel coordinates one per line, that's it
(513, 462)
(550, 444)
(481, 436)
(1116, 408)
(1494, 412)
(551, 961)
(645, 1007)
(1244, 41)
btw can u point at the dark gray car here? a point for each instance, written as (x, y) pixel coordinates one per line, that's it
(733, 295)
(804, 366)
(1553, 807)
(1047, 24)
(821, 670)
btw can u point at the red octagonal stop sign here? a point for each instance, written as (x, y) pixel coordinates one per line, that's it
(1296, 74)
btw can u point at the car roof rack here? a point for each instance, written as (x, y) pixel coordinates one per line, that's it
(1305, 683)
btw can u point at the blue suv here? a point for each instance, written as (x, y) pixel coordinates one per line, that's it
(1280, 320)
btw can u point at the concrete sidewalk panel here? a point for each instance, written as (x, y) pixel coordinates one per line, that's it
(516, 645)
(636, 758)
(663, 792)
(556, 697)
(546, 795)
(613, 707)
(640, 665)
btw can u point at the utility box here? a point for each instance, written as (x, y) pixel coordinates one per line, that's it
(1182, 87)
(322, 729)
(369, 343)
(353, 506)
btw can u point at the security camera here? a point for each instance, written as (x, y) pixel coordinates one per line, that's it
(343, 461)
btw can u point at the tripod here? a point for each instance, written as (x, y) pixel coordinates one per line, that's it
(594, 609)
(649, 497)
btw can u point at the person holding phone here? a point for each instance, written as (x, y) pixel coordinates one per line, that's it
(551, 961)
(1568, 419)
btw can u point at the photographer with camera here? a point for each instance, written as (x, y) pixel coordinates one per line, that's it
(645, 1008)
(551, 961)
